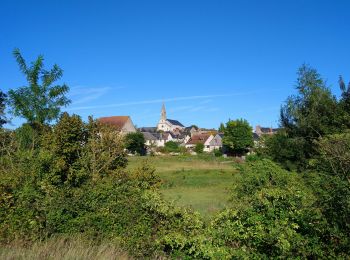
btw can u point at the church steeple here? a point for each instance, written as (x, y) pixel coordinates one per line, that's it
(163, 113)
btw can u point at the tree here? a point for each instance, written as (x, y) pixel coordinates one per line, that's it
(238, 137)
(311, 114)
(40, 101)
(199, 148)
(135, 143)
(3, 119)
(221, 128)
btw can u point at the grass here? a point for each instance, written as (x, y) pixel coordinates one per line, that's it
(199, 182)
(63, 248)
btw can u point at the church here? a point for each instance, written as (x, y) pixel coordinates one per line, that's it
(168, 125)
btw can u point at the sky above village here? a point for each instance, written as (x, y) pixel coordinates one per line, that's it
(209, 61)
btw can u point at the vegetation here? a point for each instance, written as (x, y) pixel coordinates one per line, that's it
(238, 136)
(200, 182)
(38, 102)
(135, 143)
(64, 247)
(3, 119)
(70, 180)
(171, 147)
(199, 148)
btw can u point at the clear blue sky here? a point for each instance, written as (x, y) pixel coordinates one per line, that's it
(208, 60)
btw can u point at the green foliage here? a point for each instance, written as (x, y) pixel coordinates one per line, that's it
(274, 215)
(3, 99)
(289, 152)
(334, 155)
(221, 128)
(199, 148)
(171, 147)
(40, 102)
(238, 136)
(135, 143)
(64, 146)
(217, 152)
(29, 136)
(312, 113)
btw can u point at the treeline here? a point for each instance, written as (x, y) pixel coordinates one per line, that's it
(289, 200)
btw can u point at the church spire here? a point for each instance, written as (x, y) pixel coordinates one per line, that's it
(163, 113)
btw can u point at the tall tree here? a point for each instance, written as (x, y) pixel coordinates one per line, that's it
(313, 111)
(3, 119)
(40, 101)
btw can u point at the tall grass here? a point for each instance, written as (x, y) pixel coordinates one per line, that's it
(63, 248)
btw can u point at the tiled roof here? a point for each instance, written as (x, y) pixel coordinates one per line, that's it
(117, 121)
(201, 138)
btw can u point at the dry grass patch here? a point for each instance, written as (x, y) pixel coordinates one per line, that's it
(63, 248)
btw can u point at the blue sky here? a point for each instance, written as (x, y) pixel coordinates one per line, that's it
(208, 60)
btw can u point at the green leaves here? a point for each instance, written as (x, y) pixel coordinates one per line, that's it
(38, 102)
(238, 137)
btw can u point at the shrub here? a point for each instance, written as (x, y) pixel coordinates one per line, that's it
(217, 152)
(171, 147)
(274, 215)
(199, 148)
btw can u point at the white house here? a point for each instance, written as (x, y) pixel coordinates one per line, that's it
(209, 141)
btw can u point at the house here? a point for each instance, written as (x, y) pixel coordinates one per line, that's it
(265, 130)
(214, 143)
(199, 139)
(157, 139)
(122, 123)
(210, 142)
(168, 125)
(190, 130)
(150, 139)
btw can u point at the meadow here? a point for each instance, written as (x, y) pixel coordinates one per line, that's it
(200, 182)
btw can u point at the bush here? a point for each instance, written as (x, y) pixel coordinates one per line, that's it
(274, 216)
(171, 147)
(199, 148)
(217, 152)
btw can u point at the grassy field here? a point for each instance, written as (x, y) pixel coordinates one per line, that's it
(200, 182)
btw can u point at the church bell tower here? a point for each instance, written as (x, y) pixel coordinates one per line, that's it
(162, 126)
(163, 114)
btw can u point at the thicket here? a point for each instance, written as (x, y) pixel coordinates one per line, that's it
(73, 180)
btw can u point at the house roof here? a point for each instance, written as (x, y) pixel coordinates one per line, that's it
(148, 129)
(200, 138)
(175, 122)
(256, 137)
(118, 121)
(149, 136)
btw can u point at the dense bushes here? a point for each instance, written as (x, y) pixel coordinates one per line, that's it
(277, 213)
(75, 181)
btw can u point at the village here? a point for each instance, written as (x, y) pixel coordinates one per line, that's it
(172, 130)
